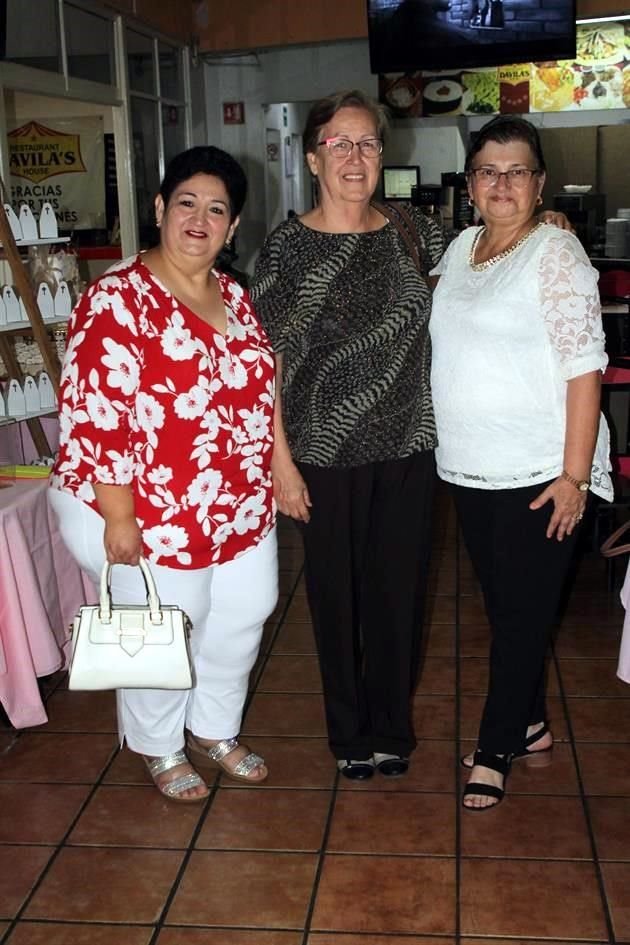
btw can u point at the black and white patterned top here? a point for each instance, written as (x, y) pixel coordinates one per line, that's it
(349, 313)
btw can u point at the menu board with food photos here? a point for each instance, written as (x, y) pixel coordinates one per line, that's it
(598, 77)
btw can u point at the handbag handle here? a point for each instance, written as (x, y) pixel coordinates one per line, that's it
(607, 548)
(404, 223)
(105, 604)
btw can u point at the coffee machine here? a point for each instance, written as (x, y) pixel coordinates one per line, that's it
(456, 210)
(587, 213)
(428, 197)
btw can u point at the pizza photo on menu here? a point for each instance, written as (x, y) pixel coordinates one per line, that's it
(552, 85)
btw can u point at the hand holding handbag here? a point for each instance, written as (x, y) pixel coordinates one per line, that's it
(130, 646)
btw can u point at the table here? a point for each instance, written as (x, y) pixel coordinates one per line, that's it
(41, 589)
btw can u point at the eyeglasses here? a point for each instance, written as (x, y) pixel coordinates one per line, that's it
(343, 147)
(516, 176)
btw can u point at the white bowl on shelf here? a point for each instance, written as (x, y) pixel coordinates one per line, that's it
(577, 188)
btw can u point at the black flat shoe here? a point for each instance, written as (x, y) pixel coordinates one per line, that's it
(392, 766)
(494, 763)
(356, 770)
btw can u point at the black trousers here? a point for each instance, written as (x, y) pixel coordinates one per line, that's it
(366, 560)
(522, 573)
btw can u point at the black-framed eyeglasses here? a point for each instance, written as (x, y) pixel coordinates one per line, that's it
(343, 147)
(516, 176)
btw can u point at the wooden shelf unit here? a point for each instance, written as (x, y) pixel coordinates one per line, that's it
(35, 325)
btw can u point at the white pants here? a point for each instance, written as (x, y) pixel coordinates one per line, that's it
(227, 604)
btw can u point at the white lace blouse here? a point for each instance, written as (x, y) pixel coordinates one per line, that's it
(505, 342)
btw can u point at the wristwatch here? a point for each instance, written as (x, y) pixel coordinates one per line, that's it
(582, 485)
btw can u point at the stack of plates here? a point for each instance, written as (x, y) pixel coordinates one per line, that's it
(618, 237)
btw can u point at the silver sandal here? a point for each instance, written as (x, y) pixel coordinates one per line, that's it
(173, 789)
(213, 757)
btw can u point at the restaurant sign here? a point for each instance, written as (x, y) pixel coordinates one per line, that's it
(37, 153)
(61, 165)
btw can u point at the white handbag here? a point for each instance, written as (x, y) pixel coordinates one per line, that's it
(130, 646)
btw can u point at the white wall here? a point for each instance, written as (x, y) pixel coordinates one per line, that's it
(436, 145)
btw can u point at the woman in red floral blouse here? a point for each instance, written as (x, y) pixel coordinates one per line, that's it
(166, 408)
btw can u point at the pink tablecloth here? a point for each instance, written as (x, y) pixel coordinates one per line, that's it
(41, 589)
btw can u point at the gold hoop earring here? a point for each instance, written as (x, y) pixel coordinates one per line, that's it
(539, 200)
(471, 202)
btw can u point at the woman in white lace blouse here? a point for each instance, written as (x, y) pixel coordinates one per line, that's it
(518, 351)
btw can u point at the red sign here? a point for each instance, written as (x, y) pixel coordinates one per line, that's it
(233, 113)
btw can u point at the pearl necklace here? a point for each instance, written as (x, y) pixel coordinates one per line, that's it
(480, 267)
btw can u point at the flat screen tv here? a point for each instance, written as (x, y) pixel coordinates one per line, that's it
(398, 181)
(433, 35)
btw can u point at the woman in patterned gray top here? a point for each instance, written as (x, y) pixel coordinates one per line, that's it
(347, 312)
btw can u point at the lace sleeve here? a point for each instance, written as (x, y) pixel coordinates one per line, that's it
(570, 306)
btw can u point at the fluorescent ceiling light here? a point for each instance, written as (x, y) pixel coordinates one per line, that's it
(604, 19)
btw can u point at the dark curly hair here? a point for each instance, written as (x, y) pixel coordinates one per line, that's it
(207, 160)
(503, 129)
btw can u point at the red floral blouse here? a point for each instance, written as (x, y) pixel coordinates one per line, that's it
(153, 397)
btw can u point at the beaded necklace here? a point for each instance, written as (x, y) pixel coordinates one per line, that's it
(479, 267)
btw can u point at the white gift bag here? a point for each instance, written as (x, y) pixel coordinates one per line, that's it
(45, 301)
(46, 391)
(48, 228)
(15, 401)
(27, 223)
(31, 395)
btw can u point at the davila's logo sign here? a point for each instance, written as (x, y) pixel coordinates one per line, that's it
(37, 153)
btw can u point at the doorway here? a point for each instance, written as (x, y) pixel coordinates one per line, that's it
(287, 180)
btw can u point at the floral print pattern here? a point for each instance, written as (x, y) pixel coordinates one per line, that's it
(153, 397)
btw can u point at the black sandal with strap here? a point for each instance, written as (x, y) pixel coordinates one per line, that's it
(526, 753)
(495, 763)
(530, 741)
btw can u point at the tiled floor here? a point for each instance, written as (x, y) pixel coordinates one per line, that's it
(90, 854)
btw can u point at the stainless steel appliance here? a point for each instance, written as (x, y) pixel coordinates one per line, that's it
(587, 213)
(428, 197)
(456, 210)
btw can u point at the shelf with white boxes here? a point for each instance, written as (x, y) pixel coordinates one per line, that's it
(30, 398)
(52, 307)
(19, 328)
(23, 311)
(27, 231)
